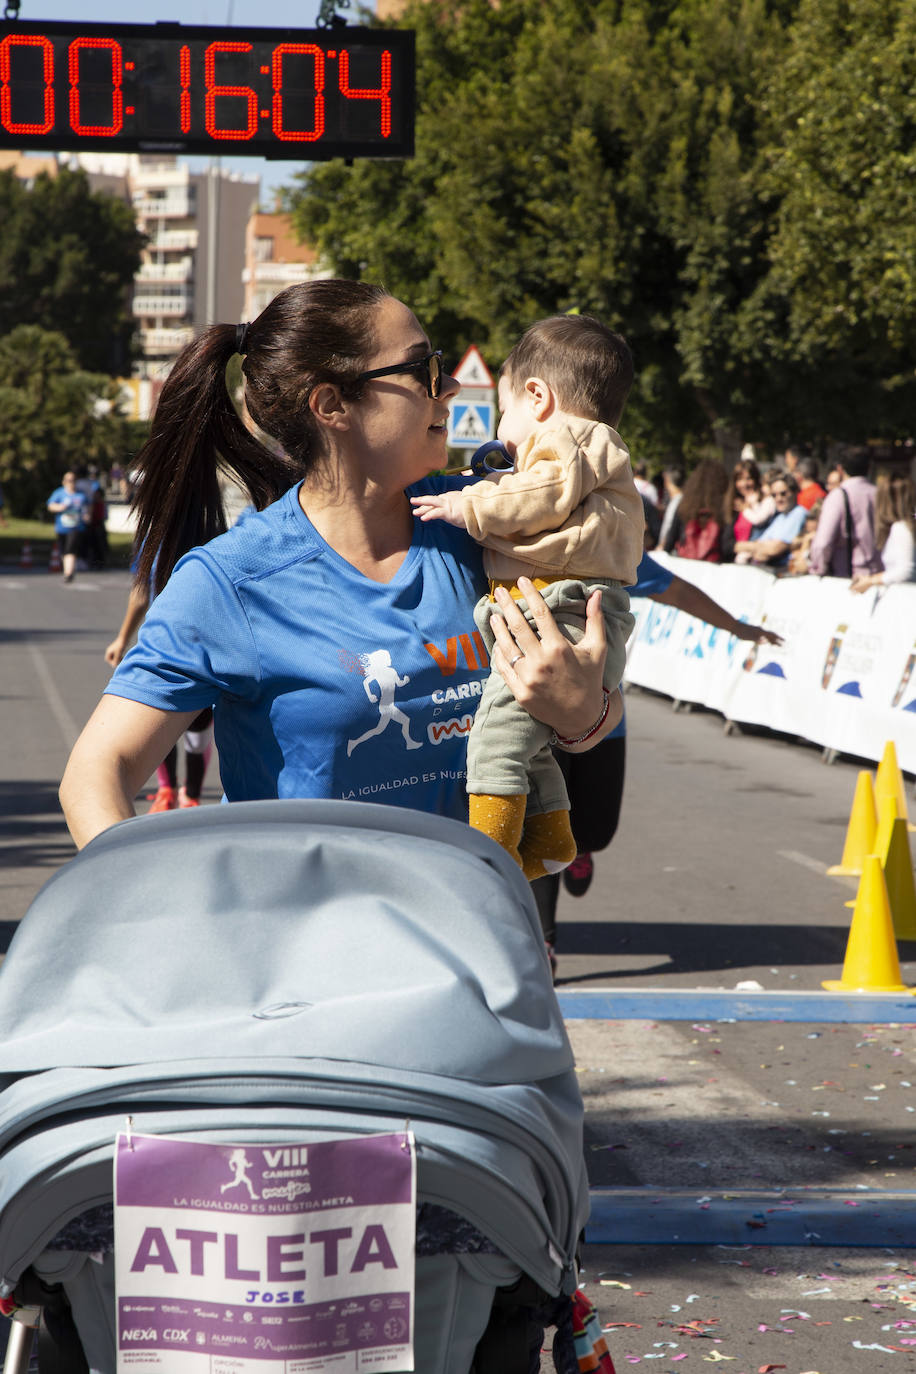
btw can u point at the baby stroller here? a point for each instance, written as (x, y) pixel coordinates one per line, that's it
(291, 971)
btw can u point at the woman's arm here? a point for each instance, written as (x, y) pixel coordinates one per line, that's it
(123, 742)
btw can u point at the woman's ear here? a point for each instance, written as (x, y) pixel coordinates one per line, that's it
(541, 398)
(328, 406)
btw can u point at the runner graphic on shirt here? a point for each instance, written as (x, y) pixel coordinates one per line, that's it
(376, 667)
(239, 1163)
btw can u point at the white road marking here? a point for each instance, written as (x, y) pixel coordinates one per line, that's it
(58, 707)
(804, 859)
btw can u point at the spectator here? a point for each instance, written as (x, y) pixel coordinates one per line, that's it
(794, 455)
(673, 479)
(701, 527)
(70, 509)
(833, 479)
(641, 481)
(810, 490)
(773, 547)
(801, 546)
(751, 510)
(844, 544)
(895, 534)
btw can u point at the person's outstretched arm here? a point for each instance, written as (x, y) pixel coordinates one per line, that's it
(687, 597)
(123, 742)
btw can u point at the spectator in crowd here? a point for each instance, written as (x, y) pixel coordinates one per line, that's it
(70, 508)
(751, 510)
(793, 456)
(834, 478)
(895, 534)
(641, 481)
(844, 543)
(810, 490)
(673, 480)
(772, 548)
(701, 527)
(801, 546)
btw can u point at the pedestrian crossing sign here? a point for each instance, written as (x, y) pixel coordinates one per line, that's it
(470, 423)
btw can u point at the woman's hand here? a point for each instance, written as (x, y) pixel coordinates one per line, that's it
(557, 682)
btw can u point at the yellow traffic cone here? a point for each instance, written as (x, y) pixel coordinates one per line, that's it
(889, 780)
(860, 833)
(887, 815)
(871, 963)
(897, 862)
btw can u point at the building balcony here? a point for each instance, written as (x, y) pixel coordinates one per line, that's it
(173, 241)
(164, 342)
(166, 271)
(148, 301)
(166, 207)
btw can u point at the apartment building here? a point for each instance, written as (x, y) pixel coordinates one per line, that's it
(192, 268)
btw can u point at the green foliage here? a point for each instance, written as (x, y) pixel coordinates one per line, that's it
(729, 185)
(67, 260)
(53, 415)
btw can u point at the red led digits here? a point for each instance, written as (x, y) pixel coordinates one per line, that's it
(214, 91)
(23, 40)
(382, 95)
(184, 76)
(303, 50)
(117, 94)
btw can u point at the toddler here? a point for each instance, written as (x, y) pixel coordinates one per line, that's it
(568, 517)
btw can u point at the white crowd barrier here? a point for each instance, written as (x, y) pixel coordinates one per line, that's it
(845, 677)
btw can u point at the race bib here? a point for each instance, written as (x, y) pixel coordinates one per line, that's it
(265, 1259)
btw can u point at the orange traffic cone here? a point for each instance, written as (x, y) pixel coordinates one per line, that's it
(54, 563)
(889, 780)
(860, 833)
(871, 963)
(25, 556)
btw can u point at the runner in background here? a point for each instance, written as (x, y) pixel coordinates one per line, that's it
(595, 780)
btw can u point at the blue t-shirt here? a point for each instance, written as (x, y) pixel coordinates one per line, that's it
(324, 683)
(786, 526)
(74, 517)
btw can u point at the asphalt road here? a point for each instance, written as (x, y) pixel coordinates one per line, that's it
(716, 877)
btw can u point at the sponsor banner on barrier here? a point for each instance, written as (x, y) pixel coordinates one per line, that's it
(265, 1259)
(845, 677)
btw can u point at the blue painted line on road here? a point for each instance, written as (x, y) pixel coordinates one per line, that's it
(671, 1216)
(688, 1004)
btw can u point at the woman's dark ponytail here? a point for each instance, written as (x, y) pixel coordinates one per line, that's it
(197, 433)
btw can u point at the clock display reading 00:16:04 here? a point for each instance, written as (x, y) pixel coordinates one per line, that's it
(288, 93)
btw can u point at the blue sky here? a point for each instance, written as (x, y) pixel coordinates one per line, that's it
(263, 13)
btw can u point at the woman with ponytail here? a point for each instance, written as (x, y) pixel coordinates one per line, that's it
(333, 634)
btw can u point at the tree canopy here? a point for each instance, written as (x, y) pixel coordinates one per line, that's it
(53, 415)
(728, 185)
(67, 260)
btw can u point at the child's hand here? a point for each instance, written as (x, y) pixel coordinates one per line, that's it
(446, 507)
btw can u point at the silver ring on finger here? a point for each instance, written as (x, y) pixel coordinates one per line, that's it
(513, 661)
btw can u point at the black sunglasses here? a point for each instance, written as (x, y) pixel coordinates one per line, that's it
(430, 366)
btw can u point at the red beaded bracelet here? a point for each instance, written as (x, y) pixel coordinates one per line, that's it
(565, 743)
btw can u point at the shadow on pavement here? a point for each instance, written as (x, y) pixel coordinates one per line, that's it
(690, 947)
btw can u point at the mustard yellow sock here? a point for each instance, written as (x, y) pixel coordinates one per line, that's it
(547, 844)
(501, 818)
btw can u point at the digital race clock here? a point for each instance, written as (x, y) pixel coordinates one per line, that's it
(278, 93)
